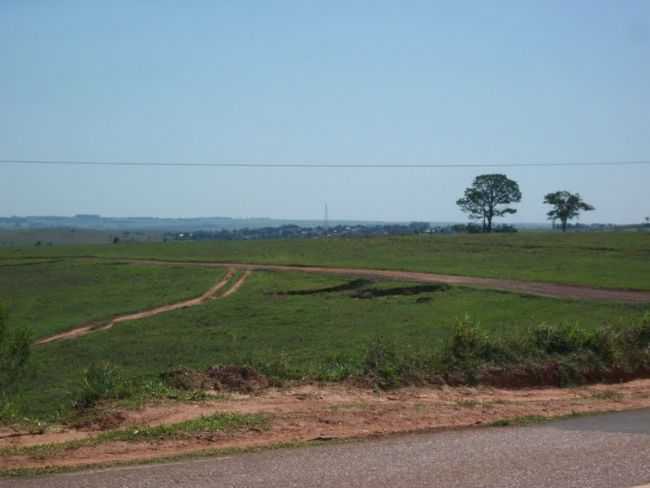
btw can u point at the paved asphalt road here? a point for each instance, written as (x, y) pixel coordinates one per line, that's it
(602, 451)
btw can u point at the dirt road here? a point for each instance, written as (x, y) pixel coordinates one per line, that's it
(550, 290)
(211, 294)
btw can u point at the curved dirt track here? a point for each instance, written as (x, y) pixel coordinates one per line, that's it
(536, 288)
(211, 294)
(234, 288)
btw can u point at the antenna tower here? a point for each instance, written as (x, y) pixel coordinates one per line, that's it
(326, 221)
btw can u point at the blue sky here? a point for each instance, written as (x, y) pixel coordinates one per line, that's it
(337, 81)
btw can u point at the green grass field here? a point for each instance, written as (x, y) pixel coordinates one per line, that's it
(293, 335)
(57, 236)
(297, 335)
(50, 297)
(613, 259)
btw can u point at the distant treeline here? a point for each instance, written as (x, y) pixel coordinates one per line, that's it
(298, 232)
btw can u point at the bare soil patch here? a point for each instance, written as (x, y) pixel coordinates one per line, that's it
(322, 412)
(230, 378)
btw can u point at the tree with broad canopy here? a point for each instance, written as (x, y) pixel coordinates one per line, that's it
(488, 197)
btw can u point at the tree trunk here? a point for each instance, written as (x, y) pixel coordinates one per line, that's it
(564, 225)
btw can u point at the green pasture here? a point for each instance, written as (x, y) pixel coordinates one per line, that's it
(607, 259)
(290, 335)
(50, 297)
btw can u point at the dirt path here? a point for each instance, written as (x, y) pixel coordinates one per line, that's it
(549, 290)
(323, 412)
(238, 284)
(211, 294)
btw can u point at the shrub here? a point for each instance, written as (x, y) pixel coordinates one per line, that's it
(334, 371)
(505, 228)
(381, 363)
(560, 339)
(276, 369)
(467, 344)
(632, 346)
(9, 411)
(101, 381)
(638, 334)
(470, 347)
(557, 355)
(15, 348)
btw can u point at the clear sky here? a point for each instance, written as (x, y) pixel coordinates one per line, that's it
(337, 81)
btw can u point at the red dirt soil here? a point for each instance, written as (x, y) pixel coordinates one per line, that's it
(323, 412)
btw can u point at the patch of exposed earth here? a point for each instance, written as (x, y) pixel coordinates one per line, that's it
(323, 412)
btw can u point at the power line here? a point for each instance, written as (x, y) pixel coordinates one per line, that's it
(323, 164)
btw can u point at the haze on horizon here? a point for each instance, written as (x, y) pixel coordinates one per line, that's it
(515, 81)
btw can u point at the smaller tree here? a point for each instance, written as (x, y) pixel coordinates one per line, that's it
(566, 206)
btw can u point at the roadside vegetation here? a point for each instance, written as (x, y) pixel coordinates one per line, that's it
(15, 348)
(605, 260)
(545, 355)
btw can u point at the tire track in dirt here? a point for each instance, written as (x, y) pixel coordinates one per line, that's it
(238, 284)
(535, 288)
(210, 294)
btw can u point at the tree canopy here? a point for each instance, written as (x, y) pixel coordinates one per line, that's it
(566, 206)
(489, 197)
